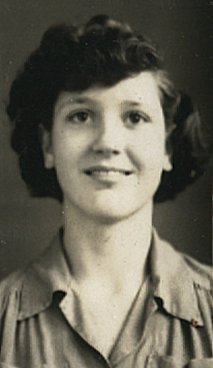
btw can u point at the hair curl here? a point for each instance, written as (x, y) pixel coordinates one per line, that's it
(103, 52)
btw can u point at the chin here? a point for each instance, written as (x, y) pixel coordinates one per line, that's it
(110, 207)
(114, 214)
(109, 218)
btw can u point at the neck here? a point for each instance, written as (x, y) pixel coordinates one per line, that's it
(111, 253)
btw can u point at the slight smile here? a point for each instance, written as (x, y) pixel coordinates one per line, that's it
(106, 171)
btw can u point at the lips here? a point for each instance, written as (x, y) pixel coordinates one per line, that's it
(106, 171)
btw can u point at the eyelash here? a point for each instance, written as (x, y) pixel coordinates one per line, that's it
(75, 117)
(140, 115)
(71, 117)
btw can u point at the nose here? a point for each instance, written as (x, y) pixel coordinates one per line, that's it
(108, 140)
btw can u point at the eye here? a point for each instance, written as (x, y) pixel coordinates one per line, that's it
(136, 117)
(79, 117)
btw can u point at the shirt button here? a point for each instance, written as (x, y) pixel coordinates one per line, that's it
(194, 322)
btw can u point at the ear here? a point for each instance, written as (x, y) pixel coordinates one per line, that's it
(46, 144)
(167, 165)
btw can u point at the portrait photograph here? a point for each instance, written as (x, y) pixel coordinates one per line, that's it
(106, 184)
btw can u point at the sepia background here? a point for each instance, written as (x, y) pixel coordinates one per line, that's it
(181, 29)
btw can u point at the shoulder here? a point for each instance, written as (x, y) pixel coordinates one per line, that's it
(202, 274)
(29, 290)
(196, 286)
(10, 288)
(11, 282)
(183, 283)
(181, 268)
(202, 277)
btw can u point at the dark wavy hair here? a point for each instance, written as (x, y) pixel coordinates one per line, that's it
(103, 52)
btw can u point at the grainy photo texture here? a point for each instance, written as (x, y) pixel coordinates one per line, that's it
(105, 247)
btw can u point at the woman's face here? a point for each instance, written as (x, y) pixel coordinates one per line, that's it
(108, 147)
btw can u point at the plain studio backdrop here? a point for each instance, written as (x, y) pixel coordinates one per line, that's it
(181, 29)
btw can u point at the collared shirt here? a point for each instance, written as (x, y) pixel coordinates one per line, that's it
(169, 324)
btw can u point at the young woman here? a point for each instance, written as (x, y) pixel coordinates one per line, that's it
(99, 125)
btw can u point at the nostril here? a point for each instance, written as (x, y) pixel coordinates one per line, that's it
(106, 151)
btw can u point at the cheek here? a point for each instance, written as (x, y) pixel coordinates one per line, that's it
(64, 146)
(148, 150)
(75, 143)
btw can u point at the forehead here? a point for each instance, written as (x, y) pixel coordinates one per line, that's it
(141, 89)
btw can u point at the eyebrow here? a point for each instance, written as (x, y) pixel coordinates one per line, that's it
(131, 103)
(84, 100)
(76, 100)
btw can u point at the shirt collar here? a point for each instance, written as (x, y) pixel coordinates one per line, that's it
(173, 280)
(44, 276)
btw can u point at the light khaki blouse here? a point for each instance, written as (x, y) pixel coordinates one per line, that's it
(169, 324)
